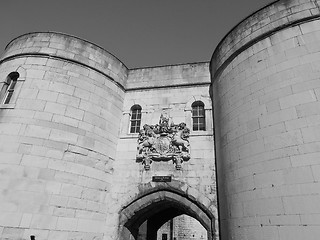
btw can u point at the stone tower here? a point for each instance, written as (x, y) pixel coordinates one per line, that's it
(59, 134)
(266, 93)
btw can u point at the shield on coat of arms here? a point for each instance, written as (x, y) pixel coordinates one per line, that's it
(162, 145)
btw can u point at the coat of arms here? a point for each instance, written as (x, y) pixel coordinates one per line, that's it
(163, 142)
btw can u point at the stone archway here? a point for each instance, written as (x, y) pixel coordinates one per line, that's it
(157, 208)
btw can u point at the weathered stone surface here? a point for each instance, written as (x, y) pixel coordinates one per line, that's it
(71, 163)
(265, 98)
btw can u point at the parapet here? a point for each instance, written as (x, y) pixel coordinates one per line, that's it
(68, 48)
(260, 25)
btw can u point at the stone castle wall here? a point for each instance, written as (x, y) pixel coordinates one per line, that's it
(68, 162)
(184, 228)
(58, 138)
(265, 77)
(198, 174)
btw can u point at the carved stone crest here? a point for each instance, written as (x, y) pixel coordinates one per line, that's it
(163, 142)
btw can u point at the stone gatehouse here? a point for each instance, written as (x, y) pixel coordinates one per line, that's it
(90, 149)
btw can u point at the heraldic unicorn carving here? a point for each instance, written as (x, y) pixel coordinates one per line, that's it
(163, 142)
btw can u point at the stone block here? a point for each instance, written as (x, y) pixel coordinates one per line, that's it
(67, 224)
(58, 235)
(63, 136)
(53, 187)
(90, 226)
(46, 174)
(61, 88)
(13, 233)
(269, 179)
(30, 104)
(277, 117)
(71, 190)
(49, 96)
(65, 120)
(269, 206)
(77, 203)
(297, 99)
(55, 108)
(311, 134)
(93, 195)
(251, 149)
(74, 113)
(271, 130)
(59, 201)
(68, 100)
(37, 131)
(10, 158)
(298, 175)
(310, 219)
(43, 116)
(43, 222)
(66, 177)
(10, 219)
(308, 109)
(35, 73)
(64, 212)
(307, 204)
(34, 161)
(315, 170)
(283, 140)
(290, 232)
(26, 220)
(28, 93)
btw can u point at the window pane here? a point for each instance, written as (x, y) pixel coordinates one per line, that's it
(8, 97)
(201, 111)
(198, 116)
(12, 85)
(135, 119)
(195, 127)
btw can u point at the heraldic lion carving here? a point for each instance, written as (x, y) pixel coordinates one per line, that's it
(163, 142)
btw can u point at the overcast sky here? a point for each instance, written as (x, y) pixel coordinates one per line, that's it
(139, 32)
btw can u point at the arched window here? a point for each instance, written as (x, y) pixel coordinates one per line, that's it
(8, 87)
(135, 119)
(198, 116)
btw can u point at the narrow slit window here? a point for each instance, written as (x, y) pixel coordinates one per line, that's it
(135, 119)
(198, 116)
(8, 87)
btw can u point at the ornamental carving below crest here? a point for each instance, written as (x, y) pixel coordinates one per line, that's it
(163, 142)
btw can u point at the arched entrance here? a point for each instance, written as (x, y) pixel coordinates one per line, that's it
(156, 208)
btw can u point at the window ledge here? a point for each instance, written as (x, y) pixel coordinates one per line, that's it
(129, 135)
(7, 106)
(200, 133)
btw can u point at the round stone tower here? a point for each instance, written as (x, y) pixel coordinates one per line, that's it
(61, 104)
(266, 94)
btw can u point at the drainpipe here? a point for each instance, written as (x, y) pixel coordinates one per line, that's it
(171, 229)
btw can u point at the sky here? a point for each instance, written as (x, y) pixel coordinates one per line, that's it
(141, 33)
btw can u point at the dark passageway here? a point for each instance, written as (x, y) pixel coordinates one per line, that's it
(143, 217)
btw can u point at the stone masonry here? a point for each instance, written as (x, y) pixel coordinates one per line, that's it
(265, 75)
(68, 156)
